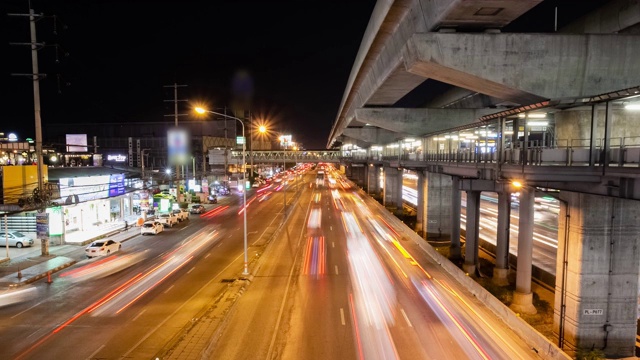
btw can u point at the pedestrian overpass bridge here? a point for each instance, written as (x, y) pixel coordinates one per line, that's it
(290, 156)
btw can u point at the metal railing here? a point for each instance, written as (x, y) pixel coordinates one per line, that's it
(623, 151)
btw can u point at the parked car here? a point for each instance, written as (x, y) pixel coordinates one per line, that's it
(197, 209)
(168, 219)
(15, 238)
(213, 199)
(151, 227)
(102, 248)
(181, 214)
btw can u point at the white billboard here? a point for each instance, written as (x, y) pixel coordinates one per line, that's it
(76, 142)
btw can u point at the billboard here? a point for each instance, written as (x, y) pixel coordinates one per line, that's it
(219, 156)
(178, 141)
(76, 142)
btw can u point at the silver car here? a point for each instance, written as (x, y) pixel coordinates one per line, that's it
(15, 238)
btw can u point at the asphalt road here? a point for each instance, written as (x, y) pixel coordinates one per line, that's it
(346, 284)
(159, 285)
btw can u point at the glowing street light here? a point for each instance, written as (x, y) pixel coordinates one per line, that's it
(201, 110)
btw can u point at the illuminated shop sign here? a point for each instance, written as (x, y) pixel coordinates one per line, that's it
(116, 185)
(117, 158)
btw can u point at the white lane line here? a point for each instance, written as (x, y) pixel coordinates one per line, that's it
(336, 269)
(184, 228)
(342, 316)
(333, 244)
(406, 318)
(230, 235)
(140, 313)
(170, 287)
(209, 254)
(161, 324)
(95, 352)
(22, 312)
(190, 270)
(331, 228)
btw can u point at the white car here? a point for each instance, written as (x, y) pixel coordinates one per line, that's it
(102, 248)
(181, 214)
(151, 227)
(167, 219)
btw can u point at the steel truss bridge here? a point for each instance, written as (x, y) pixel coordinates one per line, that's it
(284, 156)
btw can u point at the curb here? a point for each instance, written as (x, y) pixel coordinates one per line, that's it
(42, 275)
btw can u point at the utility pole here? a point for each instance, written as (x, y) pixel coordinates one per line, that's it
(175, 101)
(41, 201)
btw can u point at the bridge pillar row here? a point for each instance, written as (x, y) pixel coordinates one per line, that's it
(472, 232)
(393, 188)
(596, 297)
(501, 270)
(523, 297)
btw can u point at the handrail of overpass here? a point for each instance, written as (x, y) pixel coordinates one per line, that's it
(624, 151)
(278, 156)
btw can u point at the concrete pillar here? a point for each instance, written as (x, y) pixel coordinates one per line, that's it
(473, 227)
(523, 297)
(393, 188)
(421, 218)
(597, 274)
(456, 198)
(501, 270)
(367, 184)
(438, 206)
(357, 174)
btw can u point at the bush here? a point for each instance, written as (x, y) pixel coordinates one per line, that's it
(195, 200)
(593, 354)
(183, 205)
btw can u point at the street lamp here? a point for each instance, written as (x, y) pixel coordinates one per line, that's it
(200, 110)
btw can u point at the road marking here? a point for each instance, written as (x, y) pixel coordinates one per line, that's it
(342, 316)
(230, 235)
(184, 228)
(336, 269)
(170, 287)
(406, 317)
(140, 313)
(333, 244)
(190, 270)
(209, 254)
(146, 336)
(95, 352)
(22, 312)
(331, 228)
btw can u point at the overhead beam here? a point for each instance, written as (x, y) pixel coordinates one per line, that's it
(416, 122)
(372, 135)
(526, 68)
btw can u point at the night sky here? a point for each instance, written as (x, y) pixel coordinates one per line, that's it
(120, 54)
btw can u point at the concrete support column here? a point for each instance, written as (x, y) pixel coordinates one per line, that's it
(597, 274)
(393, 188)
(421, 218)
(438, 206)
(473, 227)
(357, 174)
(367, 184)
(373, 179)
(523, 297)
(501, 270)
(456, 199)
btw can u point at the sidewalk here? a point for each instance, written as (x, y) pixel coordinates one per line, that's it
(32, 266)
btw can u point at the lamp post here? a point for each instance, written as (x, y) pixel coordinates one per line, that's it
(200, 110)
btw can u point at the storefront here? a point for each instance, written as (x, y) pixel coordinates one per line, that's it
(92, 203)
